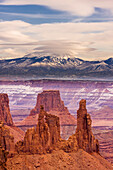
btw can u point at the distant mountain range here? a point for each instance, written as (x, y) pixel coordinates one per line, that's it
(56, 67)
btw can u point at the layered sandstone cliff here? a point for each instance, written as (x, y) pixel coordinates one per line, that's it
(5, 115)
(85, 137)
(53, 104)
(51, 100)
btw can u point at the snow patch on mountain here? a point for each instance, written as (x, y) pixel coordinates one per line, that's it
(52, 65)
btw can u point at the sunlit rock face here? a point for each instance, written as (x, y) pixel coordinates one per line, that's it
(6, 140)
(3, 158)
(42, 139)
(52, 103)
(84, 134)
(5, 115)
(51, 100)
(6, 145)
(46, 136)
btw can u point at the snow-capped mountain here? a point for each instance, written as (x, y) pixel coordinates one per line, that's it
(55, 65)
(42, 61)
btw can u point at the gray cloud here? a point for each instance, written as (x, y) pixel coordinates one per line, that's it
(62, 48)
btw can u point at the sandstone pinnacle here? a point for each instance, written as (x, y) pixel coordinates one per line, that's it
(85, 137)
(5, 115)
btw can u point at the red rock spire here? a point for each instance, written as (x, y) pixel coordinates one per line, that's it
(84, 134)
(5, 115)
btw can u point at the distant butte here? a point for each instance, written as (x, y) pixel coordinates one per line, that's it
(52, 103)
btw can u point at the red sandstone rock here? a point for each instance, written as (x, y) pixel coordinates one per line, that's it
(51, 100)
(5, 115)
(53, 104)
(69, 145)
(46, 136)
(6, 145)
(42, 139)
(3, 158)
(6, 118)
(6, 140)
(84, 134)
(59, 160)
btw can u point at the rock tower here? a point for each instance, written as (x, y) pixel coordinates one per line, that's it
(5, 115)
(85, 138)
(44, 138)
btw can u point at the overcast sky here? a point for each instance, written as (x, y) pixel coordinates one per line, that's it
(81, 28)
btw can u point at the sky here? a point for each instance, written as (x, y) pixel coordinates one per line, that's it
(81, 28)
